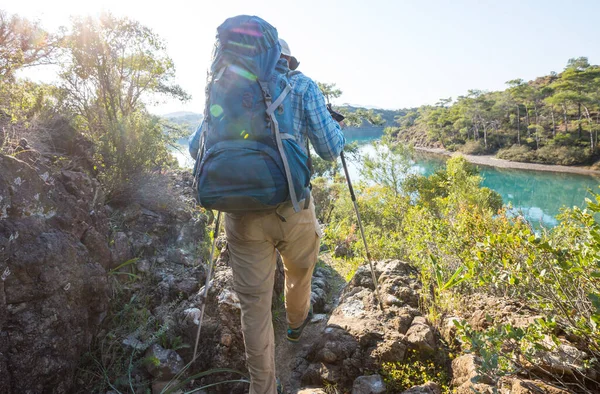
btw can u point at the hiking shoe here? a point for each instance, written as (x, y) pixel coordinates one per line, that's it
(280, 389)
(293, 334)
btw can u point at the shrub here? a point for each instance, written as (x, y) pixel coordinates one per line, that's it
(473, 148)
(517, 153)
(563, 155)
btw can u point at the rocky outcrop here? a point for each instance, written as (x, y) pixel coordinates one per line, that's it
(359, 336)
(54, 255)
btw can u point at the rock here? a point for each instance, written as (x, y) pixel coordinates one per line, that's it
(564, 359)
(392, 348)
(464, 370)
(192, 233)
(186, 286)
(121, 251)
(229, 297)
(359, 337)
(158, 387)
(343, 251)
(510, 385)
(427, 388)
(164, 364)
(420, 335)
(448, 330)
(54, 287)
(192, 315)
(143, 266)
(97, 244)
(372, 384)
(134, 343)
(318, 317)
(226, 340)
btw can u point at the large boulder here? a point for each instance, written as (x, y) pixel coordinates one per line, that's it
(359, 336)
(53, 260)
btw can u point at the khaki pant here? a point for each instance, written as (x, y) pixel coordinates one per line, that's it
(252, 240)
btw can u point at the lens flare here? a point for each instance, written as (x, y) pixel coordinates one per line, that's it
(247, 31)
(239, 44)
(243, 73)
(216, 110)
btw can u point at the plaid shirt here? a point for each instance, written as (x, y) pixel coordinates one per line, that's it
(311, 119)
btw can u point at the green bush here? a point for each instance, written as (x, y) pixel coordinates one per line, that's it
(520, 153)
(563, 155)
(473, 148)
(548, 154)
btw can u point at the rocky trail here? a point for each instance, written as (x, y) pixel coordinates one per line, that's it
(104, 297)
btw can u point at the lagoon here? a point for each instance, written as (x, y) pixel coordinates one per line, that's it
(537, 195)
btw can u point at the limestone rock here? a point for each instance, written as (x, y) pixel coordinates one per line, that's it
(510, 385)
(427, 388)
(165, 363)
(372, 384)
(420, 335)
(121, 249)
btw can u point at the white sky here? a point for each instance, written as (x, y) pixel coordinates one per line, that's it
(384, 53)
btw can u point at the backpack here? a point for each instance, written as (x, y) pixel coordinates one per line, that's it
(249, 159)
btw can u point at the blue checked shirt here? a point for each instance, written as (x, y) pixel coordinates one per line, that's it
(311, 120)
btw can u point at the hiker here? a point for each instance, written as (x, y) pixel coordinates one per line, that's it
(261, 226)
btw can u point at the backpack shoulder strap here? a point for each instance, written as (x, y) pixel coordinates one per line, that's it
(271, 107)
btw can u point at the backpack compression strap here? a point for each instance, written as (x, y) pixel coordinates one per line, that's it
(271, 107)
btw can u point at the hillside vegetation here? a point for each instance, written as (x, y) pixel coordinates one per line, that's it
(554, 119)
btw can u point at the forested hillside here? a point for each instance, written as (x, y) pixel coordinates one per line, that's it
(554, 119)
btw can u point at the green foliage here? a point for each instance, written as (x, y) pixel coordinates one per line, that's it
(414, 371)
(114, 65)
(22, 44)
(388, 166)
(137, 144)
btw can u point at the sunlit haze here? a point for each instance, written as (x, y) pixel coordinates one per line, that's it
(388, 54)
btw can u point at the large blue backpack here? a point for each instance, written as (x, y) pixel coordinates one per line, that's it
(249, 158)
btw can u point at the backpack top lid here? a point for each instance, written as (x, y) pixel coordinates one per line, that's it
(248, 42)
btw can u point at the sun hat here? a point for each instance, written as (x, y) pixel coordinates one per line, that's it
(285, 48)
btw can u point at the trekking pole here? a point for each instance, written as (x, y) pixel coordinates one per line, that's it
(207, 284)
(362, 231)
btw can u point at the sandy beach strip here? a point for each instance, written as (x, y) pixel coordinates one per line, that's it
(488, 160)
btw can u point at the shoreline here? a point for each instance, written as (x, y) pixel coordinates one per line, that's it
(492, 161)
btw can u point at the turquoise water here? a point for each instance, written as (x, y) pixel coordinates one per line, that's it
(537, 195)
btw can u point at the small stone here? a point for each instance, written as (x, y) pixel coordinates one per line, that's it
(133, 342)
(328, 356)
(160, 260)
(226, 340)
(427, 388)
(192, 315)
(392, 300)
(165, 363)
(319, 317)
(159, 387)
(143, 266)
(372, 384)
(229, 297)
